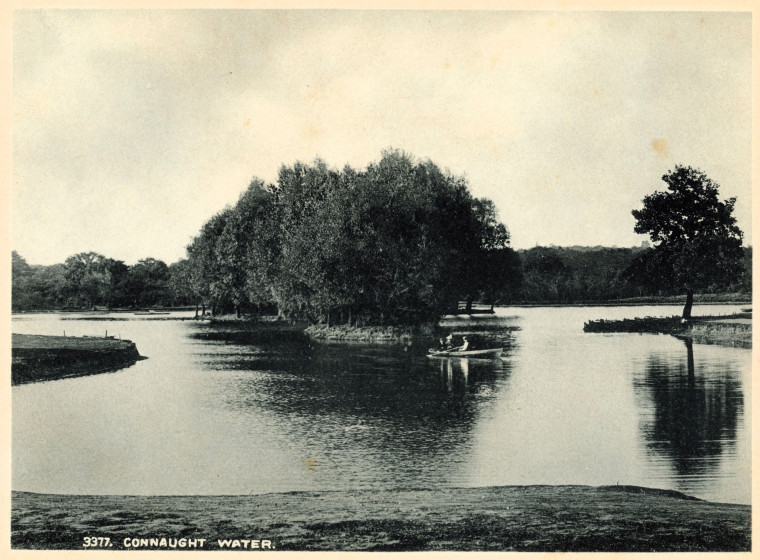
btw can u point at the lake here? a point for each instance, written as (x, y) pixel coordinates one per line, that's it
(216, 410)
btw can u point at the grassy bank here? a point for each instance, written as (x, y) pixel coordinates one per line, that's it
(518, 518)
(733, 330)
(323, 332)
(721, 332)
(43, 358)
(717, 299)
(368, 333)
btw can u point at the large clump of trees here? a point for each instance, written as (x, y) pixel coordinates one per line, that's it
(398, 243)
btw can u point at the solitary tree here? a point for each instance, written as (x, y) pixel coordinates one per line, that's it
(697, 244)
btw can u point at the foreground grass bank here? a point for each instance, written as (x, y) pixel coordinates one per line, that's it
(43, 358)
(518, 518)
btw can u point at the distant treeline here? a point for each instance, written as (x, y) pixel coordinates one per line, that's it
(589, 274)
(545, 275)
(88, 280)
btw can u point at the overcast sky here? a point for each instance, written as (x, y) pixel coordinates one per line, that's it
(132, 128)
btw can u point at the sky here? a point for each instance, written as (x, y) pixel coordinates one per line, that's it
(132, 128)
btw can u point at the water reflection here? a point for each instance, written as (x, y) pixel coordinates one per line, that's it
(395, 413)
(691, 411)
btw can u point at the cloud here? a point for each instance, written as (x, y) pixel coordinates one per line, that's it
(131, 128)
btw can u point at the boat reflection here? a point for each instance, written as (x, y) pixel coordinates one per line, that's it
(455, 373)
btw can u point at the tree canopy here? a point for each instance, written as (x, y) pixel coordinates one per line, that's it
(399, 242)
(697, 244)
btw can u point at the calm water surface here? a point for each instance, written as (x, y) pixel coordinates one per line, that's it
(218, 411)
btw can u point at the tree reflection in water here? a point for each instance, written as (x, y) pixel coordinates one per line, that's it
(370, 412)
(693, 412)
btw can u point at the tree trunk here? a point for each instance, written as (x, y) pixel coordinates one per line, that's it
(468, 306)
(689, 302)
(690, 361)
(349, 316)
(237, 311)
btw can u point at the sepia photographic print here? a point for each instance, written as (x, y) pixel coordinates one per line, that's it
(379, 280)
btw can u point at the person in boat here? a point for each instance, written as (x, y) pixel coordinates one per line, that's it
(442, 344)
(465, 345)
(449, 342)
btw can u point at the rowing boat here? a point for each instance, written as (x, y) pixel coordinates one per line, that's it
(488, 353)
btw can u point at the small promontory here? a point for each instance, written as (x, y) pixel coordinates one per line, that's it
(43, 358)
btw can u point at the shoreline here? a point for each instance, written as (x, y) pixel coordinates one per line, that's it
(699, 299)
(498, 518)
(628, 304)
(729, 330)
(367, 333)
(37, 358)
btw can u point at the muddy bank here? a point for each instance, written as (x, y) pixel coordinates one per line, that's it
(43, 358)
(517, 518)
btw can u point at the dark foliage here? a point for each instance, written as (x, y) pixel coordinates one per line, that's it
(579, 274)
(697, 244)
(90, 280)
(398, 243)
